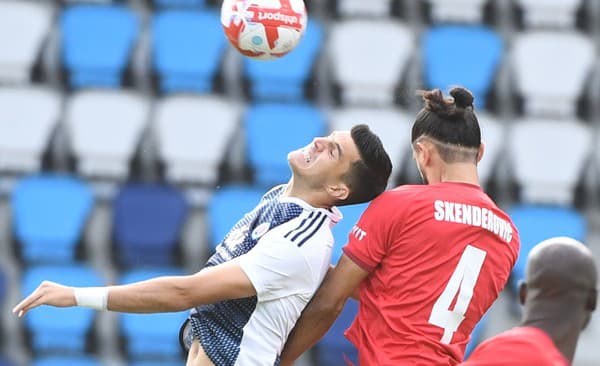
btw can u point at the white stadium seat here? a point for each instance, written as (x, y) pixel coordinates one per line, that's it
(393, 126)
(193, 133)
(368, 58)
(28, 117)
(551, 69)
(553, 13)
(492, 135)
(104, 128)
(30, 20)
(377, 8)
(548, 158)
(469, 11)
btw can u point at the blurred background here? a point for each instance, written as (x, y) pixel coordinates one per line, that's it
(132, 137)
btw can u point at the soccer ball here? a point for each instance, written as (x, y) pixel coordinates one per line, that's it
(264, 29)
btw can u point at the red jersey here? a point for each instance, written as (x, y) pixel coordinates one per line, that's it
(522, 346)
(439, 255)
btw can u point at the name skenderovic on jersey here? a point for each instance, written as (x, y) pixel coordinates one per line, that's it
(284, 247)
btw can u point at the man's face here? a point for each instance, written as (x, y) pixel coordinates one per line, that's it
(325, 160)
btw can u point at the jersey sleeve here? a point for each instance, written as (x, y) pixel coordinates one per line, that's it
(368, 240)
(277, 268)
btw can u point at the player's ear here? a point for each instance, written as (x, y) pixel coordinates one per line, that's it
(592, 300)
(522, 292)
(480, 152)
(422, 153)
(339, 191)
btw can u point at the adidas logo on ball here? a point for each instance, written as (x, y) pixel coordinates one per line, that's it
(288, 19)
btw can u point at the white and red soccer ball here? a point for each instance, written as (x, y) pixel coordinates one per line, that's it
(264, 29)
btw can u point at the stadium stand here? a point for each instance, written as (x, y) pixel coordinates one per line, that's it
(181, 65)
(358, 8)
(31, 20)
(57, 330)
(28, 117)
(151, 337)
(49, 215)
(285, 79)
(272, 131)
(5, 361)
(66, 361)
(179, 3)
(493, 133)
(463, 11)
(97, 43)
(465, 55)
(352, 67)
(92, 117)
(549, 13)
(147, 224)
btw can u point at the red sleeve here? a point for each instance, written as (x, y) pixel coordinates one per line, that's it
(368, 241)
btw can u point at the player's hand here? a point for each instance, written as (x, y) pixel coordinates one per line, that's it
(48, 293)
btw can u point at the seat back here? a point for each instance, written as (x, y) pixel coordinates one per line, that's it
(66, 361)
(187, 48)
(31, 21)
(373, 8)
(148, 220)
(97, 42)
(105, 127)
(59, 330)
(179, 3)
(462, 55)
(28, 117)
(353, 67)
(193, 135)
(568, 57)
(549, 13)
(493, 133)
(49, 214)
(227, 206)
(152, 336)
(284, 79)
(463, 11)
(272, 131)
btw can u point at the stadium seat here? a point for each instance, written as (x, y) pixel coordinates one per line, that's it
(464, 11)
(4, 361)
(49, 214)
(477, 335)
(104, 127)
(391, 125)
(179, 3)
(3, 288)
(549, 13)
(227, 206)
(66, 361)
(148, 219)
(284, 79)
(97, 42)
(538, 149)
(272, 131)
(537, 223)
(372, 8)
(28, 116)
(193, 135)
(152, 336)
(353, 68)
(59, 330)
(493, 133)
(187, 50)
(342, 229)
(155, 363)
(334, 349)
(31, 21)
(568, 57)
(466, 55)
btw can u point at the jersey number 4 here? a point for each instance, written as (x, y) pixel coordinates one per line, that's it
(462, 282)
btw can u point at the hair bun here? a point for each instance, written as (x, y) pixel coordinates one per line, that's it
(462, 97)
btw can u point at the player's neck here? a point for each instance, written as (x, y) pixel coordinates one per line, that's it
(457, 172)
(563, 328)
(309, 196)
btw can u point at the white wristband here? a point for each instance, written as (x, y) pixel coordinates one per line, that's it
(92, 297)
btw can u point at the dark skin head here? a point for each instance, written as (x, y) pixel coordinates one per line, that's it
(560, 292)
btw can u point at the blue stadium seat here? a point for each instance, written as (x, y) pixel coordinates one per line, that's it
(285, 78)
(97, 41)
(334, 349)
(152, 336)
(59, 330)
(155, 363)
(537, 223)
(227, 206)
(3, 287)
(342, 229)
(462, 55)
(148, 219)
(49, 214)
(272, 131)
(187, 50)
(179, 3)
(66, 361)
(5, 361)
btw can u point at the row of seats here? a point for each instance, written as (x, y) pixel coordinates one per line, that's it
(188, 49)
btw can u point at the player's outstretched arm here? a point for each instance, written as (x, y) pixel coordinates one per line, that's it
(157, 295)
(339, 284)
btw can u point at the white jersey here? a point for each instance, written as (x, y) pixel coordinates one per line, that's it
(284, 246)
